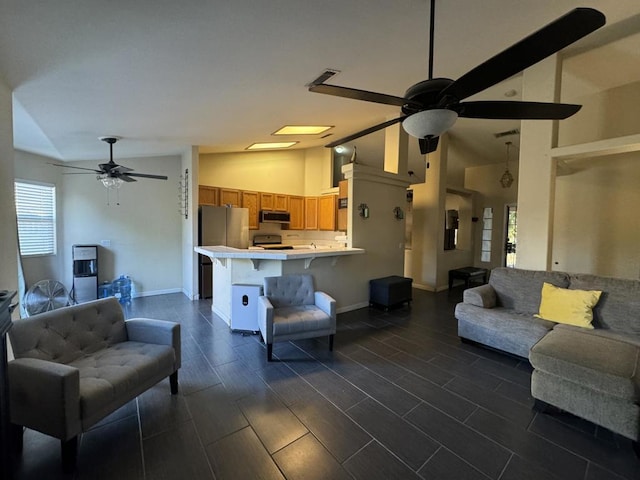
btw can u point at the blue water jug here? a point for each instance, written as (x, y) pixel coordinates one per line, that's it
(105, 290)
(122, 289)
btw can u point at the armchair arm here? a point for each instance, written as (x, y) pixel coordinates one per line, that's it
(45, 396)
(265, 319)
(160, 332)
(327, 304)
(482, 296)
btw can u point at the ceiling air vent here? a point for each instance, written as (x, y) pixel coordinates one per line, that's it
(515, 131)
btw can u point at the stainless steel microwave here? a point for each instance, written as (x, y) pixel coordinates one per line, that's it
(269, 216)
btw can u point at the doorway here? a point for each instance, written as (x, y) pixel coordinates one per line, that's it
(511, 231)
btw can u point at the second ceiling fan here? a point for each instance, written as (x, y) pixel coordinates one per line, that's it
(430, 107)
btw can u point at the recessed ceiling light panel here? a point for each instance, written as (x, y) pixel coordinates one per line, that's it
(302, 129)
(270, 145)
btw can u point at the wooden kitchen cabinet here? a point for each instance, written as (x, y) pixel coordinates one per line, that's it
(296, 212)
(311, 213)
(343, 194)
(231, 197)
(277, 202)
(281, 202)
(327, 209)
(266, 201)
(208, 195)
(251, 200)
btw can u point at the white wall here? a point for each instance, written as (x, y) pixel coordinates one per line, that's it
(596, 224)
(190, 161)
(8, 232)
(273, 171)
(144, 231)
(421, 262)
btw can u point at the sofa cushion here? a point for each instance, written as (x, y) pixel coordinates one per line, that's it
(111, 375)
(573, 307)
(619, 305)
(68, 333)
(521, 290)
(303, 318)
(501, 328)
(608, 365)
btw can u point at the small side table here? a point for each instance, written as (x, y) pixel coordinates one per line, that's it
(467, 274)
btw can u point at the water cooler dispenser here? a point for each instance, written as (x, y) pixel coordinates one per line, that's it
(244, 307)
(85, 273)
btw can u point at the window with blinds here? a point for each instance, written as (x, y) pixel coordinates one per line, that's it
(36, 211)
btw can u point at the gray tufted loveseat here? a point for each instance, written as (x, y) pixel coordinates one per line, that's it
(76, 365)
(291, 309)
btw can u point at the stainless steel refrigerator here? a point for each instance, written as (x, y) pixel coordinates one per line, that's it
(219, 226)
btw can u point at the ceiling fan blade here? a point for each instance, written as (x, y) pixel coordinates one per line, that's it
(499, 110)
(539, 45)
(126, 178)
(428, 145)
(121, 169)
(145, 175)
(364, 132)
(356, 94)
(77, 168)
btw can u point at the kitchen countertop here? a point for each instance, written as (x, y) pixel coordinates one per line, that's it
(220, 251)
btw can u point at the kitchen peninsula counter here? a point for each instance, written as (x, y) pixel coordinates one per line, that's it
(329, 266)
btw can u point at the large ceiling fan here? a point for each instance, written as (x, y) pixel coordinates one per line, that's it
(111, 172)
(430, 107)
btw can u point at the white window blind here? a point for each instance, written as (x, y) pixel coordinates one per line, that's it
(36, 211)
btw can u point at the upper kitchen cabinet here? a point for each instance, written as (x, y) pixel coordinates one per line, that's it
(230, 197)
(311, 213)
(208, 195)
(296, 212)
(277, 202)
(343, 194)
(327, 209)
(251, 200)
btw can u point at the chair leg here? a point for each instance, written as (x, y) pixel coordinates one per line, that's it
(17, 433)
(331, 343)
(69, 454)
(269, 352)
(173, 381)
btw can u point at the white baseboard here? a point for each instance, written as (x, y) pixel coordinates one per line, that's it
(151, 293)
(355, 306)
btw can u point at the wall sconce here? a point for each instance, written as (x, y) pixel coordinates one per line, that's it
(398, 213)
(363, 209)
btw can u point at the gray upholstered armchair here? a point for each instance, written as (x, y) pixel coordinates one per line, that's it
(291, 309)
(75, 365)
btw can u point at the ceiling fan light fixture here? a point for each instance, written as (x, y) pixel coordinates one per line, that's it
(110, 182)
(429, 123)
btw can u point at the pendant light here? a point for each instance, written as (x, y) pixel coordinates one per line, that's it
(507, 178)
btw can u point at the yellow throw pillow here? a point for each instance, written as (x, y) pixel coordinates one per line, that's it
(573, 307)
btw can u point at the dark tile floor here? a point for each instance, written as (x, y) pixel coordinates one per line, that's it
(399, 398)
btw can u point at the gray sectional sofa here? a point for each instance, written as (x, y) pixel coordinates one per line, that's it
(592, 373)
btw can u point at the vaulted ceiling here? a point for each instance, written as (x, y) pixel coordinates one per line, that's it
(168, 74)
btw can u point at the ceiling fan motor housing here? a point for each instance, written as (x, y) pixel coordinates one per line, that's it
(424, 95)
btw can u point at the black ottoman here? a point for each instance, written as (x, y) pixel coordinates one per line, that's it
(390, 291)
